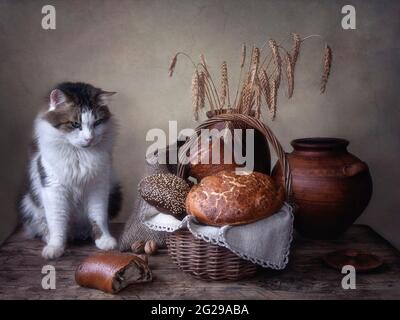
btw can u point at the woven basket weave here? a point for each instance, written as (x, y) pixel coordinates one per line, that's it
(205, 260)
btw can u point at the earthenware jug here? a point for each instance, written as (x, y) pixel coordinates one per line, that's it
(262, 157)
(331, 187)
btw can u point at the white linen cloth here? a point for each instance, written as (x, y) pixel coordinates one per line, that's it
(265, 242)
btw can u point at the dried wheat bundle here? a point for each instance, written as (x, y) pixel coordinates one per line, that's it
(259, 81)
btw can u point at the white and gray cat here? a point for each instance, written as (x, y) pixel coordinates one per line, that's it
(72, 189)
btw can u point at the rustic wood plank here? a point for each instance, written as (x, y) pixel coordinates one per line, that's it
(306, 277)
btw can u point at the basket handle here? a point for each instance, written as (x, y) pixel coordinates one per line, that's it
(252, 122)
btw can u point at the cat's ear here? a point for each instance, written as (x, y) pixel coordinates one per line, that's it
(104, 97)
(57, 98)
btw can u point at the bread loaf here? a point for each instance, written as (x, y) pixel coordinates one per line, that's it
(112, 271)
(229, 199)
(165, 191)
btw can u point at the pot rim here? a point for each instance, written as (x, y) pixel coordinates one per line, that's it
(319, 143)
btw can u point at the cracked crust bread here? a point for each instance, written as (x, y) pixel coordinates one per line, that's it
(230, 199)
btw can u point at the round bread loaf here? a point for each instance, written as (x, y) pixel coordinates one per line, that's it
(230, 199)
(166, 191)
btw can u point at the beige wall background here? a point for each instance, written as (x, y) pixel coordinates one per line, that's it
(126, 46)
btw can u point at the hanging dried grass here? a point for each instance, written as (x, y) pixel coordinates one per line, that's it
(327, 67)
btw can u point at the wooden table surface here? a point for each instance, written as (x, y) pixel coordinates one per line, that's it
(306, 277)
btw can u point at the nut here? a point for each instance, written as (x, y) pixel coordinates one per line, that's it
(137, 247)
(150, 247)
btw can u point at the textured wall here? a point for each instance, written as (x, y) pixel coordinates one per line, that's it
(126, 46)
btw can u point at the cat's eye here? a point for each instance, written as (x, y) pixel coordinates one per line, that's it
(75, 125)
(97, 122)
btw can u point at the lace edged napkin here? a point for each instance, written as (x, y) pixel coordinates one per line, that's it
(265, 242)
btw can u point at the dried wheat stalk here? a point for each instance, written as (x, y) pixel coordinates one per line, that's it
(256, 84)
(277, 59)
(195, 95)
(224, 84)
(246, 99)
(327, 67)
(212, 101)
(266, 88)
(202, 90)
(274, 99)
(258, 101)
(209, 80)
(296, 48)
(203, 60)
(289, 74)
(208, 94)
(242, 63)
(255, 61)
(243, 60)
(172, 65)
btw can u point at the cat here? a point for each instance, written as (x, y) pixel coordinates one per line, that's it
(72, 189)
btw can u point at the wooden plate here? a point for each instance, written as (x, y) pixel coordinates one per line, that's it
(360, 260)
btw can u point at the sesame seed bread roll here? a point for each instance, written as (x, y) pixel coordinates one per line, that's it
(165, 191)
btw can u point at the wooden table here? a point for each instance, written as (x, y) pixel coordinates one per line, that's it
(306, 277)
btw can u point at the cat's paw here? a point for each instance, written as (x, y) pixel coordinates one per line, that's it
(106, 243)
(52, 252)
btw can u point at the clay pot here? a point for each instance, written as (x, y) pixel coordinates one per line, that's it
(262, 158)
(331, 187)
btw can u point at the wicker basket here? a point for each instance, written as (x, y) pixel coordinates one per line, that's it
(205, 260)
(202, 259)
